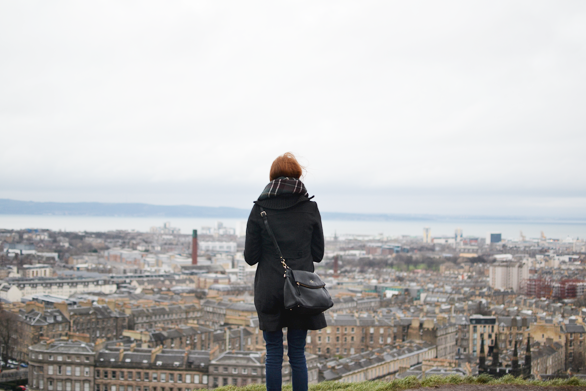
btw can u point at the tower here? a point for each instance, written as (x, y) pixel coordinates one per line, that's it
(515, 361)
(426, 235)
(336, 265)
(481, 358)
(495, 352)
(194, 247)
(527, 366)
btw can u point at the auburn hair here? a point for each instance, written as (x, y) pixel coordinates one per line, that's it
(286, 165)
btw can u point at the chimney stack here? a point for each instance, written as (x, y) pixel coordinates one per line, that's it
(336, 265)
(194, 247)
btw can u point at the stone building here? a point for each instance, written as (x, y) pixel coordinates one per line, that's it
(128, 368)
(61, 366)
(184, 337)
(36, 322)
(238, 368)
(439, 332)
(511, 329)
(351, 334)
(97, 321)
(548, 358)
(150, 318)
(575, 346)
(378, 364)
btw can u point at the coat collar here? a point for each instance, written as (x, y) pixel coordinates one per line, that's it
(283, 202)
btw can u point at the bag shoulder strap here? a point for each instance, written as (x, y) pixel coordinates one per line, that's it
(263, 214)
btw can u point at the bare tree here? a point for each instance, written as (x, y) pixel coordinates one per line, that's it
(9, 328)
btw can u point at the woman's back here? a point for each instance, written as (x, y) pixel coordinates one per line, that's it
(296, 224)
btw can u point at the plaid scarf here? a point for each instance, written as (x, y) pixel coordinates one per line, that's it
(282, 185)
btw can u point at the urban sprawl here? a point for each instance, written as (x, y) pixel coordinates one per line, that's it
(166, 311)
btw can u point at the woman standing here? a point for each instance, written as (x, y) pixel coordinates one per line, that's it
(296, 224)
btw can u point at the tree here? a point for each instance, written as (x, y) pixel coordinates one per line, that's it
(9, 328)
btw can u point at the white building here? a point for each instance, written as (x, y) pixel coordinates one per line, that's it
(10, 293)
(217, 246)
(508, 275)
(57, 286)
(39, 270)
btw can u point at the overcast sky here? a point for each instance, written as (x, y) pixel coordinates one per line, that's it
(443, 107)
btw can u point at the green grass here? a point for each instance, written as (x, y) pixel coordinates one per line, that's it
(413, 382)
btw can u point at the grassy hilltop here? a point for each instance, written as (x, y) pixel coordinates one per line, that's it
(412, 382)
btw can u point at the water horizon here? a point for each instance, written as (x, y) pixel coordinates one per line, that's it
(510, 229)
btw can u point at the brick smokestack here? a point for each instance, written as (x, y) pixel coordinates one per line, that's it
(194, 247)
(336, 265)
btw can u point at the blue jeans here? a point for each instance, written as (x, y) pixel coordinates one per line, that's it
(274, 361)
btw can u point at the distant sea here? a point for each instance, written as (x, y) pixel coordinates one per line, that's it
(509, 229)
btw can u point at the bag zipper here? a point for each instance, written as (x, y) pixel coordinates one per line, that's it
(307, 286)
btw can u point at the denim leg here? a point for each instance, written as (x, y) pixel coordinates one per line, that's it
(274, 359)
(296, 352)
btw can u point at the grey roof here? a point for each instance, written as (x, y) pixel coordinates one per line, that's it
(64, 347)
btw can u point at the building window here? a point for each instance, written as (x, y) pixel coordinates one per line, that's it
(86, 371)
(163, 377)
(137, 376)
(77, 371)
(196, 379)
(146, 376)
(204, 379)
(171, 377)
(97, 373)
(59, 385)
(155, 376)
(129, 375)
(77, 386)
(86, 386)
(50, 385)
(50, 370)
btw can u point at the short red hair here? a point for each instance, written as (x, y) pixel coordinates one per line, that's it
(286, 165)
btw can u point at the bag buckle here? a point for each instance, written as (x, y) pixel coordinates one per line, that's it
(284, 263)
(263, 213)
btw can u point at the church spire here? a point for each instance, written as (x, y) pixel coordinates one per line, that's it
(481, 356)
(515, 361)
(495, 352)
(527, 366)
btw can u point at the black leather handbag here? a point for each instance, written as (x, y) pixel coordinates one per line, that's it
(304, 292)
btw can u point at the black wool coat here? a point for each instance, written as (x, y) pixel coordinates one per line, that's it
(296, 224)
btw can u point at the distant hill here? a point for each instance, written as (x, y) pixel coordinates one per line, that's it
(14, 207)
(110, 209)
